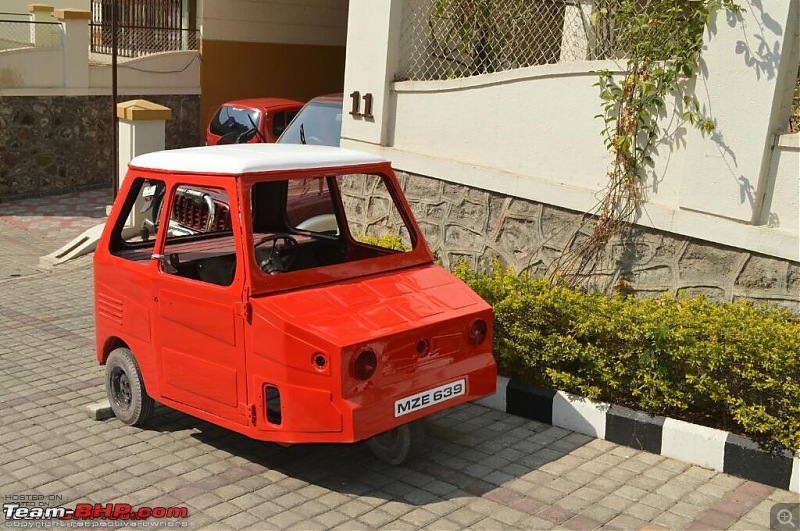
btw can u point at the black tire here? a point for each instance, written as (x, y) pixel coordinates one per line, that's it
(125, 388)
(397, 445)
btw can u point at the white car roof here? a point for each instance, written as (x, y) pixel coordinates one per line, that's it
(237, 159)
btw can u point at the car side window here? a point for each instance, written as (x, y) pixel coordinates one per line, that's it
(371, 215)
(278, 123)
(199, 242)
(133, 237)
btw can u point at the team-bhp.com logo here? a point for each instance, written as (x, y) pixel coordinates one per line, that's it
(18, 512)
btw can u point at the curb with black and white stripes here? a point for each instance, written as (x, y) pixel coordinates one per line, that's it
(699, 445)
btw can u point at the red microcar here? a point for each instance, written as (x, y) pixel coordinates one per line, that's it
(284, 292)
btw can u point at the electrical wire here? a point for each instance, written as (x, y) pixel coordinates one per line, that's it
(147, 71)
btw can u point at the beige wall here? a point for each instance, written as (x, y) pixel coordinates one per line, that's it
(531, 132)
(305, 22)
(21, 6)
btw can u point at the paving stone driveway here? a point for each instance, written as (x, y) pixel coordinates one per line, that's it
(482, 469)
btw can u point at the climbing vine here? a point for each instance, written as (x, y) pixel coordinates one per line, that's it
(661, 43)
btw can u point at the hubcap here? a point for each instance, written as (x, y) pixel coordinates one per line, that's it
(121, 389)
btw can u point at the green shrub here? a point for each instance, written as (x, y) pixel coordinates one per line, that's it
(387, 240)
(731, 366)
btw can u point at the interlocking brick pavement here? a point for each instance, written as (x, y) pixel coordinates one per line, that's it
(481, 469)
(58, 217)
(31, 228)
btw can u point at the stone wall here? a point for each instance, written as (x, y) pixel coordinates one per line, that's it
(462, 223)
(53, 144)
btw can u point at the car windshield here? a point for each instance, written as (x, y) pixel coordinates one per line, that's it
(317, 123)
(234, 120)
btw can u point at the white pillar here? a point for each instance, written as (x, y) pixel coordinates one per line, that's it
(576, 32)
(141, 130)
(745, 70)
(373, 52)
(45, 35)
(75, 23)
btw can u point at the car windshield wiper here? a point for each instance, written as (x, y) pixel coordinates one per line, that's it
(255, 128)
(302, 134)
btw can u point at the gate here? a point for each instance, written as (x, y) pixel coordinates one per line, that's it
(144, 26)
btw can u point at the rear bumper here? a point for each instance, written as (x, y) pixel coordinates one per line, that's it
(349, 421)
(378, 417)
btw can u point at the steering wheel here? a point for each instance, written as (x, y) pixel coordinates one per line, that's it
(282, 256)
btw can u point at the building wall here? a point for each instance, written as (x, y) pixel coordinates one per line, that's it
(21, 6)
(255, 48)
(57, 143)
(39, 71)
(316, 22)
(532, 133)
(505, 163)
(471, 224)
(56, 114)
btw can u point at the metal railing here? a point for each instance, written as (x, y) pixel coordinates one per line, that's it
(20, 32)
(136, 41)
(144, 27)
(444, 39)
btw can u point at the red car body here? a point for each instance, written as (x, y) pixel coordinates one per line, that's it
(339, 339)
(270, 116)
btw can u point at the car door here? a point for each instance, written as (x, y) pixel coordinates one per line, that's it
(197, 297)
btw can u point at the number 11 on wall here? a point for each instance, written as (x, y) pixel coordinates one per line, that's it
(355, 109)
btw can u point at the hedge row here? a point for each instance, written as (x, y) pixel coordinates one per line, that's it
(731, 366)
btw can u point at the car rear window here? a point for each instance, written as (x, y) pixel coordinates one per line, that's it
(231, 119)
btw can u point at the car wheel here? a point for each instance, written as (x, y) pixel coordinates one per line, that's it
(395, 446)
(125, 388)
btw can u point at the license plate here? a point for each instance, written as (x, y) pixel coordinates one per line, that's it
(149, 191)
(429, 398)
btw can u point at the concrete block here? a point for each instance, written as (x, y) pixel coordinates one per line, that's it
(99, 410)
(794, 482)
(580, 414)
(693, 444)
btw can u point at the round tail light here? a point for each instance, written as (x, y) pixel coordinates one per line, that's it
(476, 332)
(364, 365)
(423, 347)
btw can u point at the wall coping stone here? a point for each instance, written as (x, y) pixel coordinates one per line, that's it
(135, 110)
(40, 8)
(72, 14)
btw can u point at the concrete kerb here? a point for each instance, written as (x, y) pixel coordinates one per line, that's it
(708, 447)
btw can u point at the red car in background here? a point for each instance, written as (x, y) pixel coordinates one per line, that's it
(254, 120)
